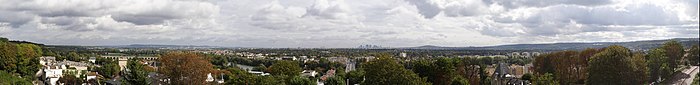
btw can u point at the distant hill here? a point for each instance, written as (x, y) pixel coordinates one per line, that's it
(159, 46)
(635, 45)
(27, 42)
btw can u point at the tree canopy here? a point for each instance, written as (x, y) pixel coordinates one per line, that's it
(135, 73)
(283, 67)
(674, 51)
(385, 70)
(185, 68)
(615, 65)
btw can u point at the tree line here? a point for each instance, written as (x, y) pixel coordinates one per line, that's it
(614, 65)
(18, 62)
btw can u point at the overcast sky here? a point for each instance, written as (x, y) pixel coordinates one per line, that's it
(344, 23)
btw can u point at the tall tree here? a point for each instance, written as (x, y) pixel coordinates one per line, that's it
(335, 80)
(28, 59)
(185, 68)
(108, 67)
(674, 51)
(545, 79)
(424, 68)
(8, 56)
(135, 73)
(385, 70)
(582, 64)
(72, 56)
(468, 68)
(543, 64)
(641, 71)
(565, 66)
(613, 66)
(283, 67)
(459, 81)
(694, 55)
(356, 76)
(658, 66)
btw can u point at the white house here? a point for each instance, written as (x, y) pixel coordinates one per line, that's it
(209, 78)
(52, 74)
(311, 73)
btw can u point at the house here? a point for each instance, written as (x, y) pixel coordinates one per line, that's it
(91, 75)
(44, 60)
(509, 74)
(291, 58)
(209, 78)
(52, 73)
(310, 73)
(259, 73)
(92, 59)
(329, 73)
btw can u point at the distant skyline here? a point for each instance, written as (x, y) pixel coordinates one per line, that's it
(345, 23)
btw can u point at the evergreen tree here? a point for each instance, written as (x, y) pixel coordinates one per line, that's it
(135, 73)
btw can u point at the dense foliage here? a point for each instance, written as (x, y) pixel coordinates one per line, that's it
(184, 68)
(9, 79)
(20, 58)
(108, 67)
(694, 55)
(135, 73)
(386, 70)
(283, 67)
(568, 66)
(616, 65)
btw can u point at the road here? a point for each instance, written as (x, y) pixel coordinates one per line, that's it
(686, 77)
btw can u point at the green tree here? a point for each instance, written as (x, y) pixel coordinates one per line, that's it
(615, 65)
(356, 76)
(9, 79)
(335, 80)
(283, 67)
(135, 73)
(658, 66)
(385, 70)
(674, 51)
(527, 76)
(28, 59)
(640, 74)
(299, 80)
(72, 56)
(439, 72)
(694, 56)
(545, 79)
(109, 68)
(459, 81)
(8, 56)
(70, 79)
(239, 77)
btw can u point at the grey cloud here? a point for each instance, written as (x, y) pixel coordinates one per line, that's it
(566, 19)
(334, 9)
(145, 19)
(15, 19)
(427, 9)
(451, 8)
(545, 3)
